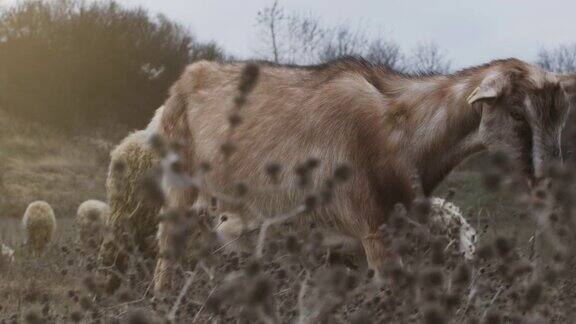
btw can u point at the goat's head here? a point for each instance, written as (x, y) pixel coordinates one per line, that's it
(523, 111)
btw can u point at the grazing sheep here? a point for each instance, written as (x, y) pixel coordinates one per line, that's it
(444, 215)
(40, 224)
(133, 220)
(448, 216)
(229, 227)
(91, 218)
(233, 233)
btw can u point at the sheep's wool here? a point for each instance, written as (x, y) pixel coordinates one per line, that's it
(92, 211)
(130, 214)
(91, 218)
(40, 224)
(449, 215)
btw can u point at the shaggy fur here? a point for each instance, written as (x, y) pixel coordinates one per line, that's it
(449, 217)
(39, 223)
(91, 218)
(133, 220)
(387, 127)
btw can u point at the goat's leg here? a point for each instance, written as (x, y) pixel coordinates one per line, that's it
(369, 217)
(164, 265)
(378, 252)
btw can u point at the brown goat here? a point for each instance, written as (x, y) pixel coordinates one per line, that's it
(388, 127)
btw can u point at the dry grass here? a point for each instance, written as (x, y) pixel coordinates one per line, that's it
(27, 281)
(38, 163)
(493, 214)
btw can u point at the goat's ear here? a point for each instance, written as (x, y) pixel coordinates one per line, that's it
(490, 88)
(568, 84)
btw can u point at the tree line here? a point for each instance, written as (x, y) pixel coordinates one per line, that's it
(303, 38)
(79, 65)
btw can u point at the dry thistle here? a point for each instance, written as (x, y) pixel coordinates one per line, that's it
(158, 144)
(260, 291)
(32, 317)
(434, 315)
(205, 167)
(421, 207)
(462, 275)
(240, 189)
(227, 149)
(138, 317)
(342, 173)
(234, 119)
(431, 277)
(533, 295)
(118, 166)
(273, 171)
(503, 246)
(492, 180)
(150, 189)
(248, 78)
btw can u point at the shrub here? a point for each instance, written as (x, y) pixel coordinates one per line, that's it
(81, 64)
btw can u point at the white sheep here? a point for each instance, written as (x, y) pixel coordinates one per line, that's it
(448, 215)
(444, 214)
(39, 222)
(91, 219)
(233, 233)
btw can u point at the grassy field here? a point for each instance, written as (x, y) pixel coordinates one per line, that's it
(63, 286)
(28, 281)
(38, 163)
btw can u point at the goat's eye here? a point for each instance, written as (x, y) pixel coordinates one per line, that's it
(517, 116)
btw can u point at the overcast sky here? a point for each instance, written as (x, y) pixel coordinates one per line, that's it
(471, 32)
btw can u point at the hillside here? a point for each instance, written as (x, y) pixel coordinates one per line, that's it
(37, 162)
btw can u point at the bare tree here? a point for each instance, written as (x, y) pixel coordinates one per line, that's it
(271, 19)
(386, 53)
(303, 39)
(344, 41)
(428, 58)
(561, 59)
